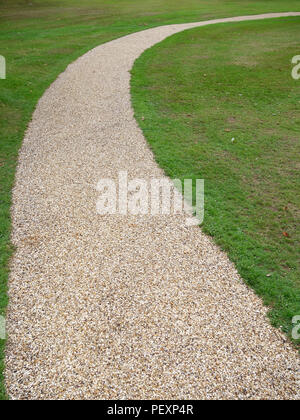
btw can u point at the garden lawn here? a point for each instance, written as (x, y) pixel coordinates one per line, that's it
(39, 38)
(219, 103)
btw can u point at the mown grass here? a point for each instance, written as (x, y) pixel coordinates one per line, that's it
(196, 92)
(39, 38)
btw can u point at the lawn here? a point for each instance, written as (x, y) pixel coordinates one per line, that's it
(39, 38)
(219, 103)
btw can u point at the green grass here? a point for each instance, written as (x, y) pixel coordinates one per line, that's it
(196, 91)
(39, 38)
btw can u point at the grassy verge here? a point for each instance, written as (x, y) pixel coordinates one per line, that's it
(196, 92)
(39, 38)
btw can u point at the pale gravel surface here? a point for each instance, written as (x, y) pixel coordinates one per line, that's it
(115, 307)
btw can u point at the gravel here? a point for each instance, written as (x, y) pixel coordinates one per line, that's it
(115, 307)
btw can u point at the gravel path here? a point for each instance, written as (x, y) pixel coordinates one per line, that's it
(112, 307)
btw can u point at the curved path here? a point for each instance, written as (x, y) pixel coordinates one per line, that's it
(111, 307)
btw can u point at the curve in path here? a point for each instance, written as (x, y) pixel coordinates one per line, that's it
(108, 307)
